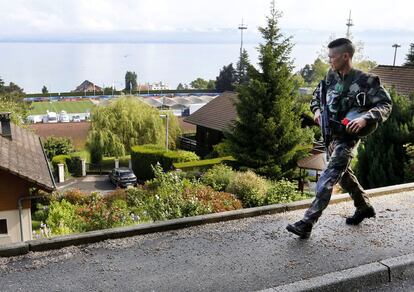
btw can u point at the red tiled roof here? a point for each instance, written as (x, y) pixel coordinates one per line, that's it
(219, 114)
(402, 77)
(23, 156)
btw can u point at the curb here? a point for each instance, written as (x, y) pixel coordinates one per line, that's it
(100, 235)
(14, 249)
(385, 271)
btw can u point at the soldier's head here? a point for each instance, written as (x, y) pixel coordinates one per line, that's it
(340, 53)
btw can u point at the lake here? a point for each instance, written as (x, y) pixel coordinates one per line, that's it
(63, 66)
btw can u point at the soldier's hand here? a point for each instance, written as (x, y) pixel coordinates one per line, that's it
(317, 117)
(356, 125)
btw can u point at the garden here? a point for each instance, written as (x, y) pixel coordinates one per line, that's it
(169, 195)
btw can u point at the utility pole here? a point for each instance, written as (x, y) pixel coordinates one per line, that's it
(396, 46)
(242, 27)
(349, 24)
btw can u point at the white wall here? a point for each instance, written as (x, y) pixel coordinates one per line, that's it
(13, 226)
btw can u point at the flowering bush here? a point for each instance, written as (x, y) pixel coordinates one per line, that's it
(211, 200)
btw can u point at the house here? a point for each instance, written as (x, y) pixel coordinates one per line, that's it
(23, 166)
(159, 86)
(212, 120)
(401, 77)
(87, 86)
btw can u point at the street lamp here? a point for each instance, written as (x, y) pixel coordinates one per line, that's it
(396, 46)
(166, 130)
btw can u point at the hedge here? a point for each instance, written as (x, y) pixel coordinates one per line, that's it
(203, 164)
(72, 163)
(58, 159)
(145, 156)
(108, 163)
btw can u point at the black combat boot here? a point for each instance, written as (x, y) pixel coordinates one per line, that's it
(360, 214)
(300, 228)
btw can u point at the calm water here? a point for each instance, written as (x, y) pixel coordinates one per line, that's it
(63, 66)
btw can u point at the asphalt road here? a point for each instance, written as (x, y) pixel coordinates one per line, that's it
(89, 183)
(242, 255)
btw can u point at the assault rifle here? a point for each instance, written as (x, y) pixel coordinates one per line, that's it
(326, 130)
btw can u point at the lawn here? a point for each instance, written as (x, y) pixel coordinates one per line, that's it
(83, 106)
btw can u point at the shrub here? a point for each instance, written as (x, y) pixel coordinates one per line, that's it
(250, 188)
(118, 194)
(218, 177)
(74, 164)
(283, 191)
(62, 218)
(74, 196)
(58, 159)
(57, 146)
(213, 201)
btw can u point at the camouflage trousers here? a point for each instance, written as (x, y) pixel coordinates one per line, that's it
(340, 154)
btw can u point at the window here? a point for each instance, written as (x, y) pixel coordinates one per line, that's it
(3, 226)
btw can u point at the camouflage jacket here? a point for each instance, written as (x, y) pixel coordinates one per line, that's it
(365, 92)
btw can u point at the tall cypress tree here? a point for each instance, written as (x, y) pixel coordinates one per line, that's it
(382, 156)
(267, 135)
(242, 68)
(409, 59)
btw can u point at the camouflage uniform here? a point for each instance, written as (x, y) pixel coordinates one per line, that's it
(373, 98)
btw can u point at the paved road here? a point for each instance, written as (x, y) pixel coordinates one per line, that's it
(241, 255)
(89, 183)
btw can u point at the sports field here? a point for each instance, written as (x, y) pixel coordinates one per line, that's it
(39, 108)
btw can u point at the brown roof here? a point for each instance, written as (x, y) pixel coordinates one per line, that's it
(402, 77)
(219, 114)
(315, 162)
(87, 86)
(23, 156)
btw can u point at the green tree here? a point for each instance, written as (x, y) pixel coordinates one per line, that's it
(315, 72)
(57, 146)
(12, 100)
(382, 155)
(267, 135)
(409, 166)
(226, 79)
(409, 59)
(199, 83)
(242, 68)
(44, 90)
(365, 65)
(211, 84)
(127, 122)
(180, 87)
(130, 81)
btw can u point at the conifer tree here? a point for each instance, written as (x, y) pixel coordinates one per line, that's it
(242, 68)
(267, 135)
(226, 79)
(382, 156)
(409, 59)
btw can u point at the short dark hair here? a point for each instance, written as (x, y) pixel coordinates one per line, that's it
(344, 44)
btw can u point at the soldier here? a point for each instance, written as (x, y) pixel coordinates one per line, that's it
(347, 91)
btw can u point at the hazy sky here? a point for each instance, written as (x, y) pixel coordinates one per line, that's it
(48, 18)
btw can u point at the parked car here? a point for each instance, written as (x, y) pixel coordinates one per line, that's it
(76, 119)
(122, 177)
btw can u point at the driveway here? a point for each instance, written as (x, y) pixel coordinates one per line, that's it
(88, 183)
